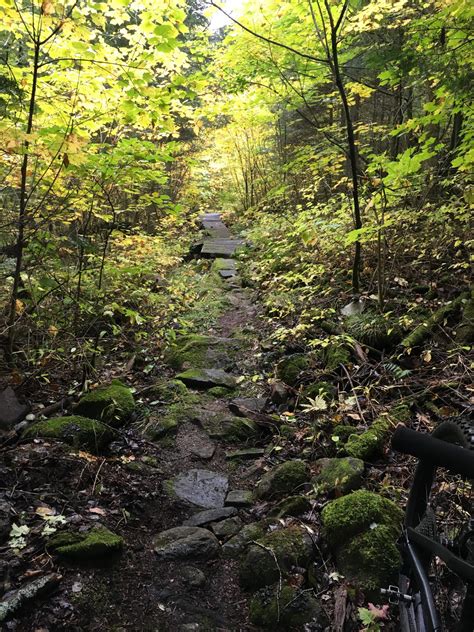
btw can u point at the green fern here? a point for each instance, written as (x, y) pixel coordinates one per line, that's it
(396, 370)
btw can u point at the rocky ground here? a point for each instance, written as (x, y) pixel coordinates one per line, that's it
(195, 502)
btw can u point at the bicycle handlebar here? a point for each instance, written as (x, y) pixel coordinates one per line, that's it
(428, 448)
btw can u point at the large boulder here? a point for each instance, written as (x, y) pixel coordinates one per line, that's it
(207, 378)
(201, 488)
(283, 479)
(362, 529)
(79, 432)
(275, 553)
(186, 543)
(111, 404)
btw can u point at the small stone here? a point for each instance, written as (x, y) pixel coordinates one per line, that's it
(11, 411)
(193, 576)
(207, 378)
(210, 515)
(30, 417)
(246, 453)
(201, 487)
(227, 528)
(204, 451)
(242, 405)
(239, 498)
(186, 543)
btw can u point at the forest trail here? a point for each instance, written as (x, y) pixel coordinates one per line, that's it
(177, 500)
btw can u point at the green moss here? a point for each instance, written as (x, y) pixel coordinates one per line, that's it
(234, 547)
(98, 542)
(465, 331)
(289, 369)
(163, 424)
(220, 391)
(371, 559)
(112, 404)
(283, 479)
(338, 475)
(273, 608)
(170, 391)
(80, 432)
(189, 351)
(343, 432)
(290, 547)
(291, 506)
(335, 354)
(237, 429)
(370, 443)
(324, 389)
(350, 515)
(374, 330)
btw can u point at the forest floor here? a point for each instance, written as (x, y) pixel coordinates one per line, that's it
(177, 458)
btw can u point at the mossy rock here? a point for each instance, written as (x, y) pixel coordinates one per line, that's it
(371, 559)
(79, 432)
(160, 427)
(279, 552)
(319, 389)
(284, 609)
(197, 351)
(335, 354)
(283, 479)
(289, 369)
(99, 542)
(111, 404)
(220, 391)
(370, 443)
(338, 475)
(170, 391)
(374, 330)
(234, 547)
(353, 514)
(291, 506)
(237, 429)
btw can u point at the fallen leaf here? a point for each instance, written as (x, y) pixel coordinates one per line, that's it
(98, 510)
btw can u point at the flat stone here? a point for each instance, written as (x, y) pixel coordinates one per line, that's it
(207, 378)
(246, 453)
(186, 543)
(201, 487)
(204, 451)
(227, 528)
(193, 576)
(241, 405)
(239, 498)
(210, 515)
(220, 247)
(227, 274)
(11, 411)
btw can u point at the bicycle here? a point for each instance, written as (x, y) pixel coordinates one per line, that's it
(438, 533)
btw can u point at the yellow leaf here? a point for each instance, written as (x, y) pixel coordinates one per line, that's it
(426, 356)
(53, 330)
(47, 8)
(19, 306)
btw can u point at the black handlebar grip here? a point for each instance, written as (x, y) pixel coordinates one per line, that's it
(428, 448)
